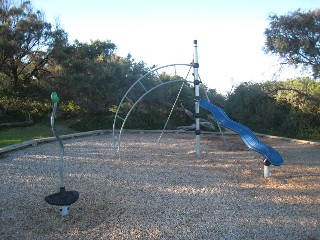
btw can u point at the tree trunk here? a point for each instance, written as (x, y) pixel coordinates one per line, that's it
(15, 78)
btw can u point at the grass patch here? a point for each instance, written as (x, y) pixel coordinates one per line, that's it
(9, 136)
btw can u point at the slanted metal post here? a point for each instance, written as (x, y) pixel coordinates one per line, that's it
(196, 97)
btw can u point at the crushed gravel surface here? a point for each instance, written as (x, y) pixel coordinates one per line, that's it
(162, 190)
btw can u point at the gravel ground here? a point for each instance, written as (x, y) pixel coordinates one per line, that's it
(162, 191)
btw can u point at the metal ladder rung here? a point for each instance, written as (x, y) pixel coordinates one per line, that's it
(143, 86)
(129, 100)
(120, 118)
(159, 76)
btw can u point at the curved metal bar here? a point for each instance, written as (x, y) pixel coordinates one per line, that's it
(53, 114)
(155, 87)
(132, 86)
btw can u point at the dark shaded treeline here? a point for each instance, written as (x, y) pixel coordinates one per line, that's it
(90, 78)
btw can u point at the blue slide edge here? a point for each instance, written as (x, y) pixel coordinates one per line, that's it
(245, 133)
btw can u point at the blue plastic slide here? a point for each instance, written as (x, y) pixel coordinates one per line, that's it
(246, 134)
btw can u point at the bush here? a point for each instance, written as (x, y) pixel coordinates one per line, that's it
(149, 119)
(93, 122)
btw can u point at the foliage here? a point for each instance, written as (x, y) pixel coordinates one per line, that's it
(289, 108)
(295, 38)
(300, 93)
(92, 75)
(212, 95)
(91, 79)
(93, 122)
(26, 44)
(251, 106)
(26, 41)
(24, 105)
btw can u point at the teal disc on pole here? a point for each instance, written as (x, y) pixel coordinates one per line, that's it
(54, 97)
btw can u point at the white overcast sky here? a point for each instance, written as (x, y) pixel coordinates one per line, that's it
(230, 33)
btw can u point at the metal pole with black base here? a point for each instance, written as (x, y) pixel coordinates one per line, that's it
(266, 168)
(196, 97)
(63, 198)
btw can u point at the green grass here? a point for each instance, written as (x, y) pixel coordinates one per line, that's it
(9, 136)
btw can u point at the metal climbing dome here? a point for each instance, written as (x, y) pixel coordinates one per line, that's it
(143, 86)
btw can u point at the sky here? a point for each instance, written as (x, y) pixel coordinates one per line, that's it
(230, 33)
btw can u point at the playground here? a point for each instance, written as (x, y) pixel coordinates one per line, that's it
(124, 184)
(162, 190)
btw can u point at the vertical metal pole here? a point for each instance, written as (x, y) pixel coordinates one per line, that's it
(266, 168)
(196, 97)
(266, 171)
(53, 114)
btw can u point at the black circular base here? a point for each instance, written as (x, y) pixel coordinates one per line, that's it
(62, 198)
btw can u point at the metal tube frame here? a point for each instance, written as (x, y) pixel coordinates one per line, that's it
(133, 106)
(53, 114)
(138, 82)
(196, 83)
(197, 97)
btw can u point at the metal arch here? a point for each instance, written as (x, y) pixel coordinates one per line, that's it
(125, 119)
(133, 85)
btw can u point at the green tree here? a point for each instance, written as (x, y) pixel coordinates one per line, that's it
(251, 106)
(212, 95)
(26, 42)
(92, 74)
(301, 98)
(300, 93)
(295, 38)
(26, 45)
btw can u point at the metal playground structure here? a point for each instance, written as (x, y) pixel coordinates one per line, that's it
(142, 84)
(64, 198)
(272, 157)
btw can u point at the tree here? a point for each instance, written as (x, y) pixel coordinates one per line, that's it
(26, 42)
(300, 93)
(92, 74)
(212, 95)
(251, 106)
(295, 38)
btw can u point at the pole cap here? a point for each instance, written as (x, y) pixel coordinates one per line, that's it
(54, 97)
